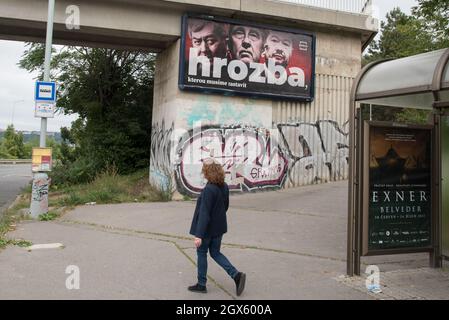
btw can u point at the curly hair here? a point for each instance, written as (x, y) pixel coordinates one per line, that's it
(213, 172)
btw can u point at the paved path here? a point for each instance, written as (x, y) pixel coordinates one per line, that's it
(291, 244)
(12, 179)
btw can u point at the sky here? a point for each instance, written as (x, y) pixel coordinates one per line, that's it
(17, 85)
(17, 93)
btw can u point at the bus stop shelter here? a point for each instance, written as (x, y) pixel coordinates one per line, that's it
(420, 82)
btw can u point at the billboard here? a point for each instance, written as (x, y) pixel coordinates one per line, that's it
(239, 58)
(398, 206)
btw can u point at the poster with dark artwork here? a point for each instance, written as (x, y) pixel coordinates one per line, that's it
(400, 200)
(242, 58)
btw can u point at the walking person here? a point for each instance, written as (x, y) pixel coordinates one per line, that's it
(209, 224)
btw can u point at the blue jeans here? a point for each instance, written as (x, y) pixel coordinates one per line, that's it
(213, 245)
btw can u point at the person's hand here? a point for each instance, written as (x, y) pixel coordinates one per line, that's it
(197, 242)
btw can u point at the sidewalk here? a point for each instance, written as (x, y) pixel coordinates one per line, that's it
(290, 243)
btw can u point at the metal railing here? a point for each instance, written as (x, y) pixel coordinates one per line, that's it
(352, 6)
(14, 161)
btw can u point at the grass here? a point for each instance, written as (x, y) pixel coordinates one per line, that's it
(20, 242)
(109, 187)
(48, 216)
(10, 217)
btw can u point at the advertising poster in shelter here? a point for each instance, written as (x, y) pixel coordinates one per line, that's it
(240, 58)
(400, 193)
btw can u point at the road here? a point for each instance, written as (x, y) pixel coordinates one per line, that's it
(12, 179)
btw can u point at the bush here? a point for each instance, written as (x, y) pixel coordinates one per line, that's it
(80, 171)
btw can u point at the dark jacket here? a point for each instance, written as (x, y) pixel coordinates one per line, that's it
(209, 219)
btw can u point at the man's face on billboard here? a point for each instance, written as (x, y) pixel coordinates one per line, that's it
(246, 43)
(279, 47)
(208, 43)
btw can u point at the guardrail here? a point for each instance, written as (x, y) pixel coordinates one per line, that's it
(352, 6)
(14, 161)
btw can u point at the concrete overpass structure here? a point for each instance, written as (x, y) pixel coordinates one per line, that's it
(312, 136)
(155, 24)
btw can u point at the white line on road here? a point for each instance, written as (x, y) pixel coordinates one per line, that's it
(45, 246)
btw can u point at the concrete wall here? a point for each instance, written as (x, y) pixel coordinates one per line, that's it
(155, 24)
(262, 144)
(181, 119)
(314, 135)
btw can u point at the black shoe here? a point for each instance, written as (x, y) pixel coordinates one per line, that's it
(198, 288)
(240, 279)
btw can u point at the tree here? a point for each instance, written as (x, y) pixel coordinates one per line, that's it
(3, 152)
(435, 15)
(426, 29)
(12, 144)
(401, 36)
(51, 143)
(405, 35)
(111, 91)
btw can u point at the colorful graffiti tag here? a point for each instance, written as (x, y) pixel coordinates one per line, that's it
(160, 160)
(317, 151)
(253, 158)
(249, 157)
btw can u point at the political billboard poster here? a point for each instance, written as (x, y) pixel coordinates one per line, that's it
(239, 58)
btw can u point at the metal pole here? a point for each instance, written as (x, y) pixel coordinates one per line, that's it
(435, 260)
(358, 189)
(48, 45)
(351, 191)
(39, 192)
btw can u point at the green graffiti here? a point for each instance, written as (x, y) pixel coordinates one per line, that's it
(201, 111)
(224, 113)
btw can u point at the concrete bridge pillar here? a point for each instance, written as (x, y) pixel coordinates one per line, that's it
(189, 126)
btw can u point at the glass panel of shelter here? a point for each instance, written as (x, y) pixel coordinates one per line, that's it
(445, 183)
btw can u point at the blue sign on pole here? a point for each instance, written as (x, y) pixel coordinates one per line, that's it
(45, 91)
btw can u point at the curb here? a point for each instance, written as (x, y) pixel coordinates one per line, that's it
(15, 201)
(9, 205)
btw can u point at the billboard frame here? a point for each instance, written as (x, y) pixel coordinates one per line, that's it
(229, 92)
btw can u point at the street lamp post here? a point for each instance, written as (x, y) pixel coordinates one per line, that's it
(14, 109)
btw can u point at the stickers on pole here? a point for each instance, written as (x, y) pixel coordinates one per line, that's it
(41, 159)
(45, 97)
(44, 110)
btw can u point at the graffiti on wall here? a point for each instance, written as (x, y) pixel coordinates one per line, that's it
(39, 194)
(226, 113)
(317, 151)
(250, 158)
(253, 158)
(39, 190)
(161, 170)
